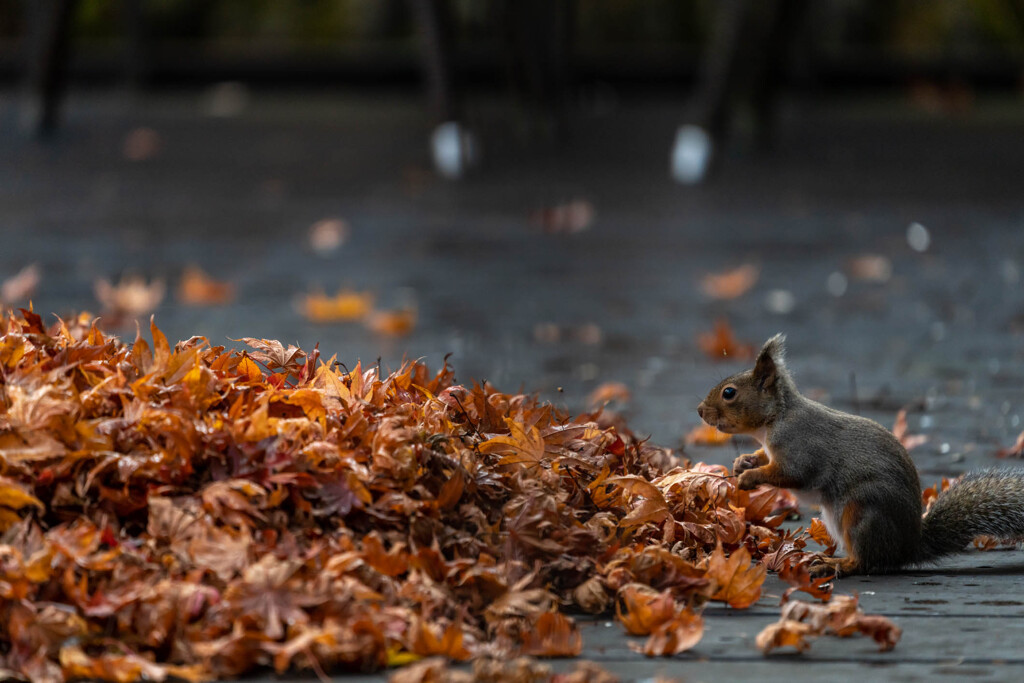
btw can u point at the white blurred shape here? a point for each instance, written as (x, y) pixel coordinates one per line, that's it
(691, 154)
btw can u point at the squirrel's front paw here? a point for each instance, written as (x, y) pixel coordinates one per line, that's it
(748, 480)
(745, 462)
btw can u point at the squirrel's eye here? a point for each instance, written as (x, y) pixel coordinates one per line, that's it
(729, 393)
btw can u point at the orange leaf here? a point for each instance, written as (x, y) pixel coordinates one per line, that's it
(641, 609)
(1014, 451)
(608, 392)
(430, 640)
(554, 635)
(393, 323)
(679, 634)
(731, 283)
(522, 445)
(346, 305)
(739, 582)
(899, 430)
(720, 344)
(199, 289)
(819, 533)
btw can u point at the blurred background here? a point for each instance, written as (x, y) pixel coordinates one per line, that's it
(604, 201)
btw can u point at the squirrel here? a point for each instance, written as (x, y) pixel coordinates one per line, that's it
(858, 472)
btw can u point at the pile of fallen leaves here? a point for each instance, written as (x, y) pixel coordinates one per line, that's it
(198, 511)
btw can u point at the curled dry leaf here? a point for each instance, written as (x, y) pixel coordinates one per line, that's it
(721, 344)
(801, 621)
(819, 534)
(199, 289)
(730, 284)
(220, 511)
(679, 634)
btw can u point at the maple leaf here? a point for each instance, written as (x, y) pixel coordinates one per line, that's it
(273, 354)
(730, 284)
(523, 444)
(199, 289)
(267, 596)
(739, 582)
(720, 344)
(899, 430)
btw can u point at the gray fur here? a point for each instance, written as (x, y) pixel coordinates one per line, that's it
(983, 503)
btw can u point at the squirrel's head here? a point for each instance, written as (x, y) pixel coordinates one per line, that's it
(753, 398)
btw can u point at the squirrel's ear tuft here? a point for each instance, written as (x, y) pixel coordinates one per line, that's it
(770, 363)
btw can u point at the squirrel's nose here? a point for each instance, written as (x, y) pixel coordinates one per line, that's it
(700, 410)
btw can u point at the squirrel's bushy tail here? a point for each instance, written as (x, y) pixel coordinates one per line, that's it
(983, 503)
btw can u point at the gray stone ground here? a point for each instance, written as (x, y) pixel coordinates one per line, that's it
(942, 336)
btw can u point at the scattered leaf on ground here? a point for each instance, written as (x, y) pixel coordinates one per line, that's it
(800, 622)
(1014, 451)
(346, 305)
(20, 287)
(199, 289)
(721, 344)
(133, 296)
(730, 284)
(607, 393)
(570, 218)
(328, 235)
(899, 430)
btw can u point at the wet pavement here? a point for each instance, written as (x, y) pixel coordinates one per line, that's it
(932, 321)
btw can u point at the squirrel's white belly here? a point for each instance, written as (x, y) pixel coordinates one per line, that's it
(808, 498)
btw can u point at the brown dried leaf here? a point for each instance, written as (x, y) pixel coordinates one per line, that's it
(899, 430)
(720, 344)
(1014, 451)
(730, 284)
(739, 582)
(346, 305)
(199, 289)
